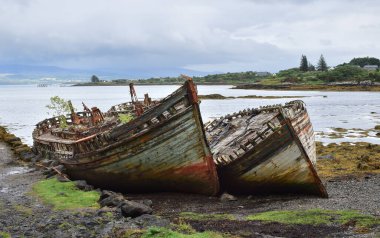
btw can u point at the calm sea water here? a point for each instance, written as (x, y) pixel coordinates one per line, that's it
(21, 107)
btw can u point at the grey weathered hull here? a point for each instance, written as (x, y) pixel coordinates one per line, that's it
(275, 161)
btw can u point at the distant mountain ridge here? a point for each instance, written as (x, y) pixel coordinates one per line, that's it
(34, 74)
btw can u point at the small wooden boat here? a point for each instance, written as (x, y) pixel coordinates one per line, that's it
(267, 150)
(162, 149)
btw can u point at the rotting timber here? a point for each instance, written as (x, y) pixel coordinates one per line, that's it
(162, 149)
(266, 150)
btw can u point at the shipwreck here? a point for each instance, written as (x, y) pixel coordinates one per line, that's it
(266, 150)
(166, 147)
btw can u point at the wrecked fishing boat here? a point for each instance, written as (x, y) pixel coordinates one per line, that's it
(266, 150)
(163, 148)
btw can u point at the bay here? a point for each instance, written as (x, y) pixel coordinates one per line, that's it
(22, 106)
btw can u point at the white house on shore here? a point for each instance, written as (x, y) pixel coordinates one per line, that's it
(371, 67)
(263, 74)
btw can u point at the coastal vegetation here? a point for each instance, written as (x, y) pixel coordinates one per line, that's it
(59, 108)
(65, 195)
(347, 159)
(306, 76)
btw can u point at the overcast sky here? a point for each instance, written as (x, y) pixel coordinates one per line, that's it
(156, 36)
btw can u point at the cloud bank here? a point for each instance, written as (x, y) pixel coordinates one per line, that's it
(159, 37)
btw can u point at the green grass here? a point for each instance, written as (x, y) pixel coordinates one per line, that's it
(65, 195)
(124, 118)
(156, 232)
(317, 217)
(5, 235)
(201, 217)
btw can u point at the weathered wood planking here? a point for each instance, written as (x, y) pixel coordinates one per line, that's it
(272, 160)
(168, 158)
(164, 149)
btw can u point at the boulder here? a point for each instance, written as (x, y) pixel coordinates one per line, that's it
(134, 209)
(111, 199)
(27, 156)
(81, 184)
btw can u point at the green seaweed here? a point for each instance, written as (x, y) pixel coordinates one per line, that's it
(317, 217)
(160, 232)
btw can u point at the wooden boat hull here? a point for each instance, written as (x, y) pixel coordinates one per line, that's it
(279, 163)
(169, 158)
(163, 150)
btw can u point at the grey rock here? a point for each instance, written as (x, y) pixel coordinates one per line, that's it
(134, 209)
(225, 197)
(82, 185)
(329, 157)
(27, 156)
(146, 202)
(148, 220)
(105, 194)
(114, 200)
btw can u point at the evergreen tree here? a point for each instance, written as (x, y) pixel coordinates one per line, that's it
(304, 64)
(311, 67)
(94, 79)
(322, 66)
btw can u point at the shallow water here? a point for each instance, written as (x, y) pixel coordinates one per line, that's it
(22, 106)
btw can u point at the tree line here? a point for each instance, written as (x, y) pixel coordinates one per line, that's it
(305, 65)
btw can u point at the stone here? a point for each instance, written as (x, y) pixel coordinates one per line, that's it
(105, 194)
(328, 157)
(82, 185)
(134, 209)
(148, 220)
(27, 156)
(225, 197)
(111, 199)
(104, 210)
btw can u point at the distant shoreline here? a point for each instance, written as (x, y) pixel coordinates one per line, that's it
(307, 87)
(287, 87)
(137, 83)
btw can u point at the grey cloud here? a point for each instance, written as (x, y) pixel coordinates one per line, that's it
(149, 35)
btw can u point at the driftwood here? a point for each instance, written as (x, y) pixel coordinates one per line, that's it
(55, 169)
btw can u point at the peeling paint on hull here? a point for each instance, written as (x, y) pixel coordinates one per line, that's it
(173, 159)
(164, 149)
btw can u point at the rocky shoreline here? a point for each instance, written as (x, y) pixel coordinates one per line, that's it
(24, 214)
(309, 87)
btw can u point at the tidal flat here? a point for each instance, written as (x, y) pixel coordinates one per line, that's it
(34, 206)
